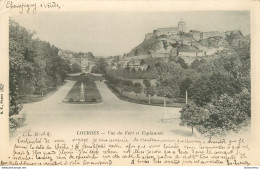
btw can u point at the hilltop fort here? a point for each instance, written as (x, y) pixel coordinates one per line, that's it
(175, 42)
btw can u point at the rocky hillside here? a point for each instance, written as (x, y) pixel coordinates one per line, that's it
(167, 44)
(214, 42)
(146, 47)
(235, 38)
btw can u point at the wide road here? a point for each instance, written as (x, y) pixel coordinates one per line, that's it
(113, 114)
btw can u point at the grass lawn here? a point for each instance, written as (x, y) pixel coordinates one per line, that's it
(142, 99)
(94, 78)
(91, 93)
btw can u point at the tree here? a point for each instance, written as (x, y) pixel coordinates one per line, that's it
(34, 65)
(127, 85)
(142, 62)
(200, 91)
(168, 79)
(136, 52)
(137, 88)
(185, 85)
(149, 91)
(147, 83)
(198, 64)
(226, 114)
(100, 66)
(75, 67)
(192, 116)
(182, 63)
(244, 104)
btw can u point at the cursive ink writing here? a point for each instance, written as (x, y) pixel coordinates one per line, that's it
(30, 8)
(131, 148)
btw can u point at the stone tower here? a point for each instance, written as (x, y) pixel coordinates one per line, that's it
(181, 26)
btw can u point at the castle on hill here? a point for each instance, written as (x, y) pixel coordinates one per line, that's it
(174, 32)
(168, 31)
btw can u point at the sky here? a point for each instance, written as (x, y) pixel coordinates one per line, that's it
(116, 33)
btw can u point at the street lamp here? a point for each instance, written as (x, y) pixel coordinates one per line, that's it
(186, 96)
(164, 106)
(149, 98)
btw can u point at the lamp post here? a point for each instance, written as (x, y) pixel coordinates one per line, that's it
(149, 98)
(186, 97)
(164, 106)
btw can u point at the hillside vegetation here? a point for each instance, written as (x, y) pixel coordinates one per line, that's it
(35, 67)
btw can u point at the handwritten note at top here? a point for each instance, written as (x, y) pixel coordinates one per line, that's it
(42, 148)
(31, 8)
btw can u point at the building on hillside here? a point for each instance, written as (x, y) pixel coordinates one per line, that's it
(187, 40)
(196, 34)
(143, 67)
(181, 26)
(160, 55)
(134, 64)
(123, 63)
(205, 35)
(206, 51)
(188, 52)
(169, 31)
(110, 61)
(166, 31)
(211, 51)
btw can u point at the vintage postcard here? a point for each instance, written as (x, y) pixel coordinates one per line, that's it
(132, 83)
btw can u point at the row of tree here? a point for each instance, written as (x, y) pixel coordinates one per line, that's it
(35, 66)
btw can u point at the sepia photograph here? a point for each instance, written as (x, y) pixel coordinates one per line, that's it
(186, 73)
(129, 87)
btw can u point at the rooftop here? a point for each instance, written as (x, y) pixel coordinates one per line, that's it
(168, 29)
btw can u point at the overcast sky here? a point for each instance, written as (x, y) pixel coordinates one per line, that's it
(115, 33)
